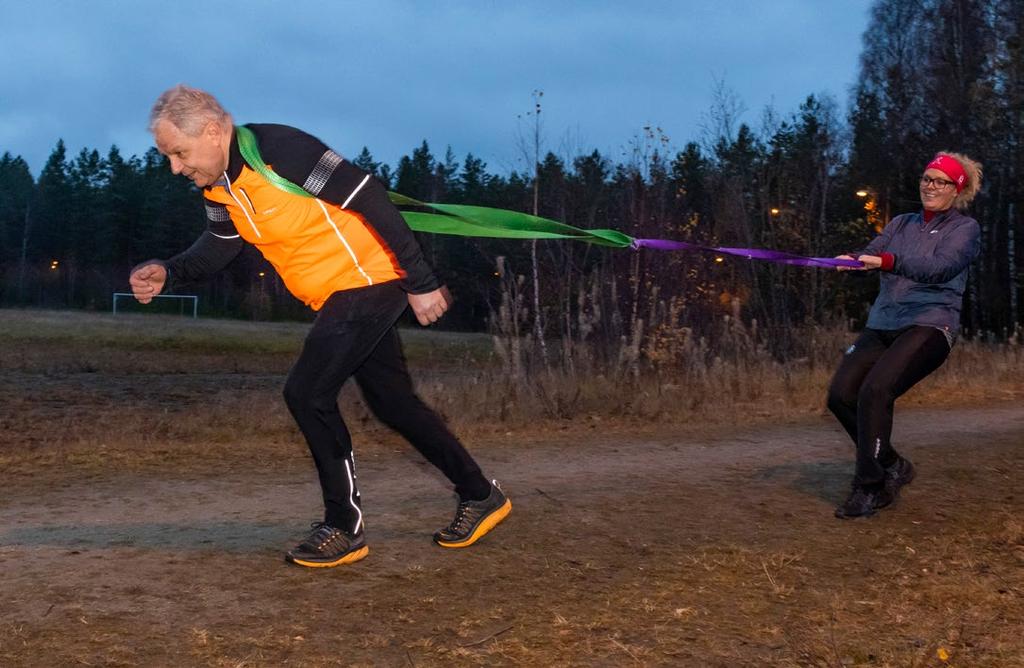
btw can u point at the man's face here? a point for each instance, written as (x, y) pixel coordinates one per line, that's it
(202, 158)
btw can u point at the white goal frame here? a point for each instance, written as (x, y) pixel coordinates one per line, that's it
(194, 298)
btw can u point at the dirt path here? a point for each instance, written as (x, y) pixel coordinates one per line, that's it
(711, 550)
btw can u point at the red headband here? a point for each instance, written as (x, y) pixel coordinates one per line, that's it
(951, 167)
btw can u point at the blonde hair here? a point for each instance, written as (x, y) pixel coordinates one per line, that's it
(188, 109)
(973, 170)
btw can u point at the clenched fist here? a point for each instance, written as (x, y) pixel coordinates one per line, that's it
(147, 280)
(431, 306)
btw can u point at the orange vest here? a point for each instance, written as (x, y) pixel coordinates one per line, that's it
(318, 248)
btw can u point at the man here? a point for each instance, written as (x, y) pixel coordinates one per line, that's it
(341, 247)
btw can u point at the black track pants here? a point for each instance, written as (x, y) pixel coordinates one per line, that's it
(354, 335)
(877, 369)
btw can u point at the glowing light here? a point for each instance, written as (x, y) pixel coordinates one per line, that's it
(262, 274)
(53, 265)
(774, 211)
(719, 258)
(862, 193)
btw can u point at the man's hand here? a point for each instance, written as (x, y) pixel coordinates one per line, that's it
(147, 281)
(430, 306)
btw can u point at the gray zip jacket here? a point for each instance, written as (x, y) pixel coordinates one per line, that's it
(924, 270)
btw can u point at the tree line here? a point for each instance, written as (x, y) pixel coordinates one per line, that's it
(818, 180)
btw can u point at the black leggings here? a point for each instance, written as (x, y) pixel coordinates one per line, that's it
(354, 335)
(877, 369)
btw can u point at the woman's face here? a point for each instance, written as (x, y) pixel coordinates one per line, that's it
(937, 191)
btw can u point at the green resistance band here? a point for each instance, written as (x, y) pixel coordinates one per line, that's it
(456, 219)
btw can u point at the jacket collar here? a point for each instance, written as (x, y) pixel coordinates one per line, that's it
(939, 219)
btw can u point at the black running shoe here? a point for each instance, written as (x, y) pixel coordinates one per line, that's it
(864, 502)
(327, 547)
(899, 474)
(473, 519)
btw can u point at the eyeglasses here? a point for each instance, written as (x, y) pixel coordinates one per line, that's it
(938, 184)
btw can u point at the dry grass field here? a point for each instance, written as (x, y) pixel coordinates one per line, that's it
(150, 479)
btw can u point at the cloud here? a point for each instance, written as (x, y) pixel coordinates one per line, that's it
(390, 74)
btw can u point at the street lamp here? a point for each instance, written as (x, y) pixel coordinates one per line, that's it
(870, 197)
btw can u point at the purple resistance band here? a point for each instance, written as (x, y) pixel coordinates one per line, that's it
(751, 254)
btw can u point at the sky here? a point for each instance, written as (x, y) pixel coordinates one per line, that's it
(389, 74)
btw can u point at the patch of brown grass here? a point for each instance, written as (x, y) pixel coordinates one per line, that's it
(131, 390)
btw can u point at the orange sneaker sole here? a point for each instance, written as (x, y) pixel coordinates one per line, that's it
(349, 558)
(485, 526)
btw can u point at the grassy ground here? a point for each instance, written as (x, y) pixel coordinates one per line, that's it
(151, 478)
(134, 390)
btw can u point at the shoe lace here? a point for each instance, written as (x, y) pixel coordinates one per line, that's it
(858, 495)
(462, 517)
(898, 469)
(322, 534)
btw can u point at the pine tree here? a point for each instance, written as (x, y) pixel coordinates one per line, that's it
(473, 181)
(16, 186)
(49, 243)
(365, 161)
(17, 190)
(415, 175)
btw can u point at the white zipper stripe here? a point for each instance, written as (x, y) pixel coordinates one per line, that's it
(351, 498)
(356, 191)
(369, 281)
(221, 236)
(227, 185)
(246, 196)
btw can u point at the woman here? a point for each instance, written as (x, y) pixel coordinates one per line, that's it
(923, 259)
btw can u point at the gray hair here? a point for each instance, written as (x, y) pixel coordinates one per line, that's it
(188, 109)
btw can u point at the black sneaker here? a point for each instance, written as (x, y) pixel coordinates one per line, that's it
(899, 474)
(864, 502)
(327, 547)
(473, 519)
